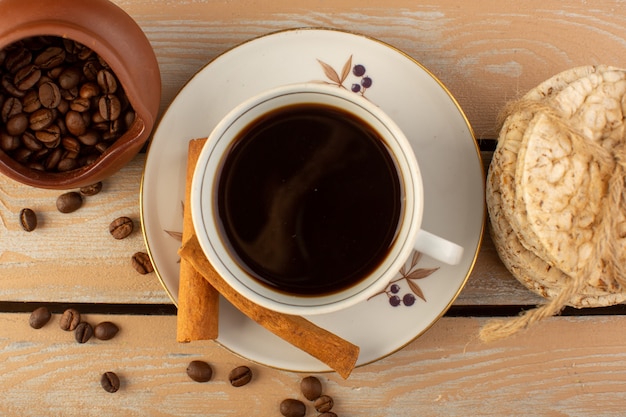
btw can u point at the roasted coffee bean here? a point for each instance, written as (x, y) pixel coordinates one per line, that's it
(51, 57)
(292, 408)
(69, 202)
(90, 138)
(17, 124)
(69, 78)
(27, 77)
(80, 104)
(89, 90)
(71, 144)
(41, 119)
(109, 107)
(240, 376)
(31, 142)
(90, 69)
(83, 332)
(75, 123)
(92, 189)
(30, 102)
(11, 107)
(106, 82)
(8, 142)
(28, 219)
(110, 382)
(141, 262)
(311, 388)
(129, 118)
(49, 95)
(62, 108)
(121, 227)
(102, 146)
(9, 87)
(39, 318)
(324, 403)
(69, 319)
(22, 155)
(50, 136)
(105, 330)
(69, 94)
(17, 59)
(53, 158)
(67, 164)
(199, 371)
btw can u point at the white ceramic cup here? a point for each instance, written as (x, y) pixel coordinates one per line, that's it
(408, 236)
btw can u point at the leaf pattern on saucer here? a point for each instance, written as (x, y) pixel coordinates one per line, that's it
(361, 83)
(409, 276)
(177, 235)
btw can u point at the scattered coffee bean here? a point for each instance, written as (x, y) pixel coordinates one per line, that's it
(292, 408)
(70, 319)
(240, 376)
(92, 189)
(324, 403)
(39, 318)
(105, 330)
(311, 388)
(110, 382)
(83, 332)
(69, 202)
(199, 371)
(28, 219)
(141, 262)
(121, 227)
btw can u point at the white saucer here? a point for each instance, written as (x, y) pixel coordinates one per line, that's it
(432, 120)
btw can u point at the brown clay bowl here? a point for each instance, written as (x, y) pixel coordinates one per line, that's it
(115, 36)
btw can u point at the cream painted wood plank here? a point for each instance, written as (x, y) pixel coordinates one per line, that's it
(486, 52)
(72, 257)
(550, 370)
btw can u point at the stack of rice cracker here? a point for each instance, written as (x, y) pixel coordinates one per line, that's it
(555, 193)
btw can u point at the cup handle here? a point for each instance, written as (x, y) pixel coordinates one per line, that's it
(438, 248)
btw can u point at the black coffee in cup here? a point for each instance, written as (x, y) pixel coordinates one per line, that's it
(309, 199)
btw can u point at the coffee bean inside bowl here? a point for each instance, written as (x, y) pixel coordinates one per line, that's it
(61, 105)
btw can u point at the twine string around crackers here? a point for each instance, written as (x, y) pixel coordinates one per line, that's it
(605, 253)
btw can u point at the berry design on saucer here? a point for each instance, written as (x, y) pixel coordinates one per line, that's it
(395, 291)
(360, 81)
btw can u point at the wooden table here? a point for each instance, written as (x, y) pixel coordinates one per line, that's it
(487, 53)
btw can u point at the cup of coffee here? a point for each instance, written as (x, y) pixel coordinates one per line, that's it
(308, 199)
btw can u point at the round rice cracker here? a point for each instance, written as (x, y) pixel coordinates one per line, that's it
(560, 185)
(511, 136)
(541, 97)
(532, 271)
(501, 174)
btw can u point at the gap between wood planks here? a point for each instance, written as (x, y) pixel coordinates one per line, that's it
(170, 309)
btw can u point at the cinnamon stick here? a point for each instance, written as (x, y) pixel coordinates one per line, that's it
(198, 301)
(339, 354)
